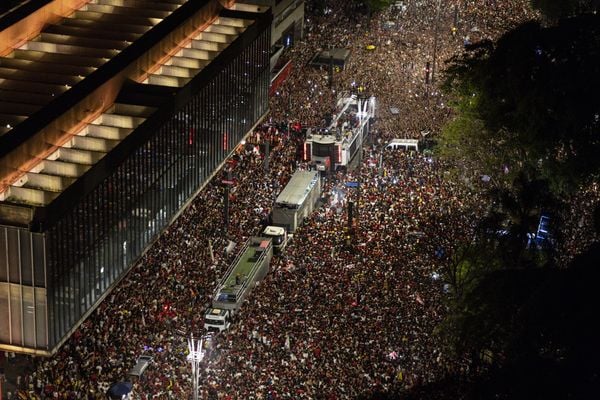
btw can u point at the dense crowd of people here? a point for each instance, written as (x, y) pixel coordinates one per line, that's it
(337, 322)
(332, 320)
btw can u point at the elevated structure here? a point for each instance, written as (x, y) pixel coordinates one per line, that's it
(333, 147)
(288, 20)
(113, 113)
(250, 266)
(286, 29)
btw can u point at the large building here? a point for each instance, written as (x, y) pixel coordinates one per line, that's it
(288, 20)
(286, 29)
(113, 114)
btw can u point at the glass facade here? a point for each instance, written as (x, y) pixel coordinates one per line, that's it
(23, 315)
(66, 270)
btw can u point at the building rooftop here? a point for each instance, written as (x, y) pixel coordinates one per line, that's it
(59, 92)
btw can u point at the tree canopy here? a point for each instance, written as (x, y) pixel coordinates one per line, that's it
(563, 8)
(527, 113)
(530, 100)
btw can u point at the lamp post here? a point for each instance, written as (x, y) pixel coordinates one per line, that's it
(227, 183)
(435, 39)
(267, 155)
(195, 356)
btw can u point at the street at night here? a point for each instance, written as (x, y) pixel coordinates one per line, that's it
(439, 234)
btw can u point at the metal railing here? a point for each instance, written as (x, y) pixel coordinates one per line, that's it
(235, 263)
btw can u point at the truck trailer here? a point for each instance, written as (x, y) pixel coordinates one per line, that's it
(250, 266)
(297, 200)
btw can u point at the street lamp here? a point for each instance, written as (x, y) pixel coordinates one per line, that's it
(195, 356)
(435, 39)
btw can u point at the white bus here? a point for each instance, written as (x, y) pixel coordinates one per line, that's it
(403, 144)
(297, 200)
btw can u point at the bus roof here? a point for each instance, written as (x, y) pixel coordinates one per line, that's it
(274, 230)
(297, 188)
(217, 312)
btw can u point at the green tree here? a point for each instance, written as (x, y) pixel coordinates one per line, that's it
(465, 265)
(537, 326)
(514, 214)
(554, 9)
(527, 112)
(529, 101)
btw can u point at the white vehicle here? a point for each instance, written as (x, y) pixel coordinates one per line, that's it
(278, 236)
(217, 319)
(403, 144)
